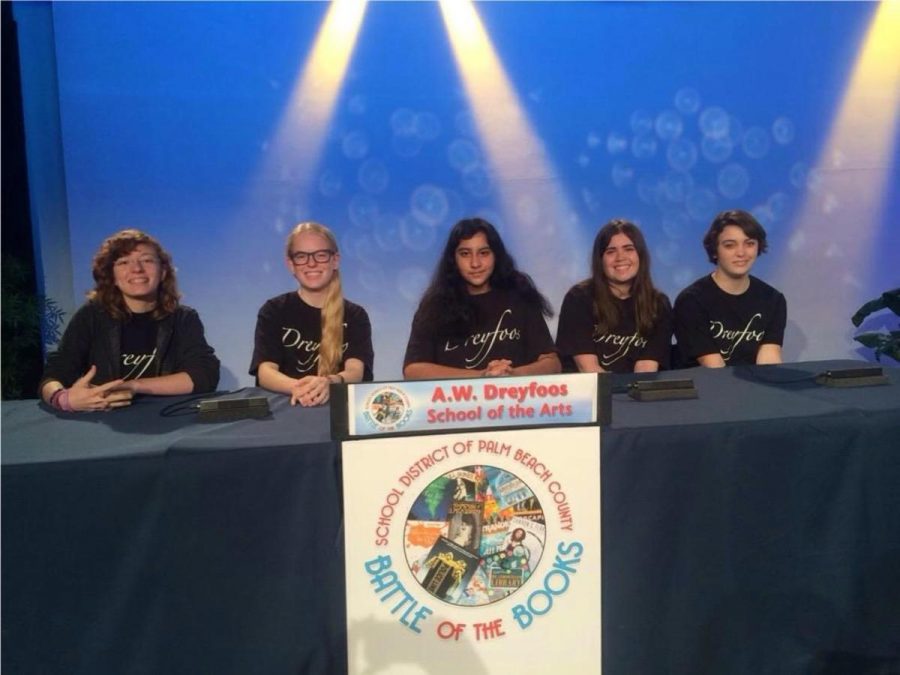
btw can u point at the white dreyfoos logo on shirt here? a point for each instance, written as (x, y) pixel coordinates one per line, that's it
(486, 341)
(733, 338)
(307, 350)
(620, 344)
(137, 363)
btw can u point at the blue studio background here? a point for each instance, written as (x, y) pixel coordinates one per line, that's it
(178, 118)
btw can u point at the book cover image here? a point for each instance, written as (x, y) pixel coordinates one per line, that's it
(448, 568)
(474, 535)
(464, 524)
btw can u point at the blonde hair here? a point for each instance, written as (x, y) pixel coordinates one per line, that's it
(331, 345)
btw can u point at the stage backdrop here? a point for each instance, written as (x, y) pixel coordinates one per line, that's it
(218, 126)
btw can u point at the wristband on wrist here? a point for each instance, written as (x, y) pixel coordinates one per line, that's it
(60, 400)
(341, 379)
(64, 401)
(54, 398)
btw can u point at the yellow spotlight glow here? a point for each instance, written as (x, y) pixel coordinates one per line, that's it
(303, 127)
(833, 240)
(533, 201)
(331, 51)
(864, 134)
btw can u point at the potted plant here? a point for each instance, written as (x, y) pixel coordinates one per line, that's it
(29, 320)
(882, 341)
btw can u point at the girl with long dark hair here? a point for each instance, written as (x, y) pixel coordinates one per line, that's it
(480, 316)
(616, 321)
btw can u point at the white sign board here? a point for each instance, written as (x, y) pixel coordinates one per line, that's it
(474, 552)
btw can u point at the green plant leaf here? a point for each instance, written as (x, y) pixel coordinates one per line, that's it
(875, 341)
(882, 343)
(868, 308)
(891, 300)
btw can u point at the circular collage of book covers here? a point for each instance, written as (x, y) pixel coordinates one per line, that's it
(474, 535)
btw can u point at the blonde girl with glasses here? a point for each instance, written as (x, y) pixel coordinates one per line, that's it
(313, 337)
(132, 336)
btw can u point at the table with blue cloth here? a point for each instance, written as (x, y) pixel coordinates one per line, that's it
(754, 529)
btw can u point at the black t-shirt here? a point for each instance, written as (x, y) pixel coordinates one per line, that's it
(507, 328)
(619, 348)
(710, 321)
(138, 348)
(288, 332)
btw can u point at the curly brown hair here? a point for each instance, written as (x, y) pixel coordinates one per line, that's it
(105, 291)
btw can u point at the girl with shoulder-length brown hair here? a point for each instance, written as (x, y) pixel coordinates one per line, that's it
(313, 337)
(132, 336)
(115, 250)
(616, 321)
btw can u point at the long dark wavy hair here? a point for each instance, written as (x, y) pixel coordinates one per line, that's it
(105, 292)
(647, 299)
(447, 304)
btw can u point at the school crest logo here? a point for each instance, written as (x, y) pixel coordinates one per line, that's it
(387, 409)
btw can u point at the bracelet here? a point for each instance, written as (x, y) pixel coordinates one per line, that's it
(54, 398)
(341, 378)
(64, 402)
(60, 400)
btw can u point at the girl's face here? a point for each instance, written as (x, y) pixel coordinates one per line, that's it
(735, 252)
(137, 275)
(621, 261)
(312, 260)
(475, 262)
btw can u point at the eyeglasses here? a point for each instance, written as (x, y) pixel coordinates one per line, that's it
(303, 257)
(143, 261)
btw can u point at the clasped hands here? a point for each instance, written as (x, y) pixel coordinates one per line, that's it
(86, 397)
(498, 368)
(310, 390)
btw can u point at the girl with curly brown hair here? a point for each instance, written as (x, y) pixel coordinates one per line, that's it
(132, 336)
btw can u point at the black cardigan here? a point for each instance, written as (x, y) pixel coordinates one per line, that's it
(93, 337)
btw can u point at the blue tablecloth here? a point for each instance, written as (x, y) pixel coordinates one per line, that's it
(755, 529)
